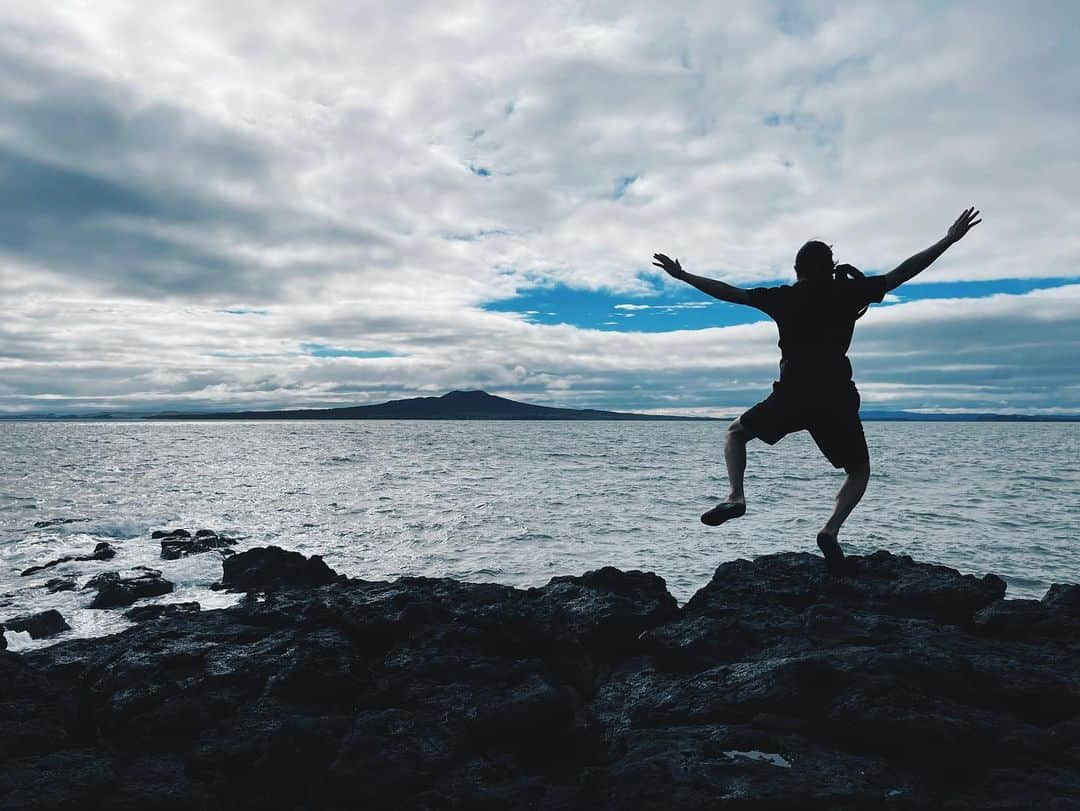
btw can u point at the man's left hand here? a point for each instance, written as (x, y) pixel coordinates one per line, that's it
(670, 266)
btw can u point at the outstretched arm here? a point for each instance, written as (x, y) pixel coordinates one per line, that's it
(720, 290)
(916, 264)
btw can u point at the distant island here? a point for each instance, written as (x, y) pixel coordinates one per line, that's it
(479, 405)
(455, 405)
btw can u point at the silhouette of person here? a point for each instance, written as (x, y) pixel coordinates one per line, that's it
(816, 318)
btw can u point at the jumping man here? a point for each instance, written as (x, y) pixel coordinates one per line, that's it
(816, 318)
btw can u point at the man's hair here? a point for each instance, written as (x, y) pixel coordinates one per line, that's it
(814, 261)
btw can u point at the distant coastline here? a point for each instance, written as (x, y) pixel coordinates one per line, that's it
(479, 405)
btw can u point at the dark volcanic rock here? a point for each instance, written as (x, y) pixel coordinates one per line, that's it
(604, 610)
(143, 613)
(1064, 596)
(116, 590)
(55, 522)
(882, 582)
(103, 551)
(1057, 615)
(205, 540)
(778, 686)
(268, 567)
(39, 626)
(169, 533)
(60, 584)
(742, 609)
(38, 716)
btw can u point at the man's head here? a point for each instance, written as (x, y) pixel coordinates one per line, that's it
(814, 261)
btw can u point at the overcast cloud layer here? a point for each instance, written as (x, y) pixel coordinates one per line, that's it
(238, 204)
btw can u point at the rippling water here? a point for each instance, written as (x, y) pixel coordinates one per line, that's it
(517, 502)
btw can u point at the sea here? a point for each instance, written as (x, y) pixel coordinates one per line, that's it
(513, 502)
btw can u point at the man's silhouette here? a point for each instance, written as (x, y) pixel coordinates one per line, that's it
(816, 317)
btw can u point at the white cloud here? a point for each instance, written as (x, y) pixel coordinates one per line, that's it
(328, 166)
(1002, 352)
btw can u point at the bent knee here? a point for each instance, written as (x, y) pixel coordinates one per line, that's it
(737, 431)
(860, 470)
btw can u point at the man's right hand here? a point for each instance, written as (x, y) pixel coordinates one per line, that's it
(671, 266)
(963, 224)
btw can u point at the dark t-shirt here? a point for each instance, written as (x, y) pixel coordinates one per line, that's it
(816, 322)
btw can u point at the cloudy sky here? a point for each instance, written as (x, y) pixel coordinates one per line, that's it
(207, 205)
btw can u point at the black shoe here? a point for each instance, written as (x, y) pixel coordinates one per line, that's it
(830, 548)
(723, 512)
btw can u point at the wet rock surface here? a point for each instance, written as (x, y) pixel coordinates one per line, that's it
(103, 551)
(272, 567)
(119, 589)
(778, 686)
(179, 543)
(145, 613)
(66, 583)
(39, 626)
(56, 522)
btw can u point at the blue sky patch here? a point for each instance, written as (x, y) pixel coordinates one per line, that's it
(914, 291)
(678, 308)
(622, 184)
(667, 310)
(324, 351)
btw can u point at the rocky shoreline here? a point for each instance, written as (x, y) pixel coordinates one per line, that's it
(777, 686)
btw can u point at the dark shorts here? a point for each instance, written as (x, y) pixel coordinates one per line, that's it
(831, 416)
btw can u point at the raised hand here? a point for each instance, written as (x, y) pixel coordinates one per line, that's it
(670, 266)
(964, 223)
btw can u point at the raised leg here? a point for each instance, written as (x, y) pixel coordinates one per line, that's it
(735, 459)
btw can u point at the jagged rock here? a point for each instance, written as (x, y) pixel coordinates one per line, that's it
(1063, 595)
(55, 522)
(742, 609)
(39, 626)
(103, 551)
(205, 540)
(3, 640)
(65, 781)
(606, 609)
(885, 583)
(268, 567)
(38, 716)
(169, 533)
(60, 584)
(115, 590)
(1055, 617)
(777, 686)
(144, 613)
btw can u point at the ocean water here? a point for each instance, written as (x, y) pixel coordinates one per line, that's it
(516, 502)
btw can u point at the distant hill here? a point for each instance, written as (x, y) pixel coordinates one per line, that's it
(479, 405)
(456, 405)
